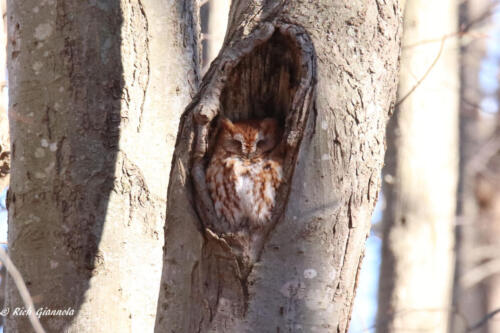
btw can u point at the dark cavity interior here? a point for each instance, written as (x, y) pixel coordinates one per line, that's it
(264, 82)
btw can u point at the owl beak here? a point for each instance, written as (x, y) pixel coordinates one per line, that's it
(251, 153)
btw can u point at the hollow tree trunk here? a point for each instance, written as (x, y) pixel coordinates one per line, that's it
(327, 71)
(96, 92)
(421, 176)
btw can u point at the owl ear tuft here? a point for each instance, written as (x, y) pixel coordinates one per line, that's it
(226, 123)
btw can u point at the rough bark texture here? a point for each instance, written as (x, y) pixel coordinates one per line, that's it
(304, 274)
(4, 121)
(97, 88)
(421, 177)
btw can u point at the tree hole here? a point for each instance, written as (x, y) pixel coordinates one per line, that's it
(264, 82)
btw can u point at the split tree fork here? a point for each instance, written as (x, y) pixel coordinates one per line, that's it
(328, 72)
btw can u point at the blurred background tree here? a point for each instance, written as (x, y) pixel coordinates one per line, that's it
(420, 175)
(474, 302)
(421, 170)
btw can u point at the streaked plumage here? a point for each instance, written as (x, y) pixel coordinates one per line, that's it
(245, 171)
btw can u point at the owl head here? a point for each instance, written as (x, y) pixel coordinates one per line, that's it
(250, 138)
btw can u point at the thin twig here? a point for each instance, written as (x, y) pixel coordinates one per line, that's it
(464, 30)
(489, 11)
(23, 291)
(483, 321)
(482, 253)
(425, 75)
(458, 34)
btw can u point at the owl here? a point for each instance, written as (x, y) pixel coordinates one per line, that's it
(245, 171)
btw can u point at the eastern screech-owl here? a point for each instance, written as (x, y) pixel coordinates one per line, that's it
(245, 171)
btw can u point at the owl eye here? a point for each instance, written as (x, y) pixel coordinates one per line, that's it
(261, 143)
(236, 143)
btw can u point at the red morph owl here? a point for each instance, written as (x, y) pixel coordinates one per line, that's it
(245, 171)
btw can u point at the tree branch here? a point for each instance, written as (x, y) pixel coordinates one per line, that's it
(23, 290)
(479, 273)
(441, 48)
(483, 321)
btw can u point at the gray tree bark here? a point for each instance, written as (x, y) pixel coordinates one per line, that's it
(4, 121)
(96, 93)
(328, 71)
(421, 176)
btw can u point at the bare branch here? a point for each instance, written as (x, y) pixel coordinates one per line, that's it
(479, 273)
(485, 252)
(23, 291)
(441, 48)
(458, 34)
(483, 321)
(463, 31)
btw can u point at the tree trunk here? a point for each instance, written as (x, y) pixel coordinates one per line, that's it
(327, 71)
(469, 303)
(480, 273)
(484, 261)
(4, 121)
(96, 91)
(421, 176)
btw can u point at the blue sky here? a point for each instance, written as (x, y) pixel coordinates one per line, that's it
(365, 304)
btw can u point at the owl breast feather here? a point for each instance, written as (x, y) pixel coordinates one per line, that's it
(243, 190)
(255, 190)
